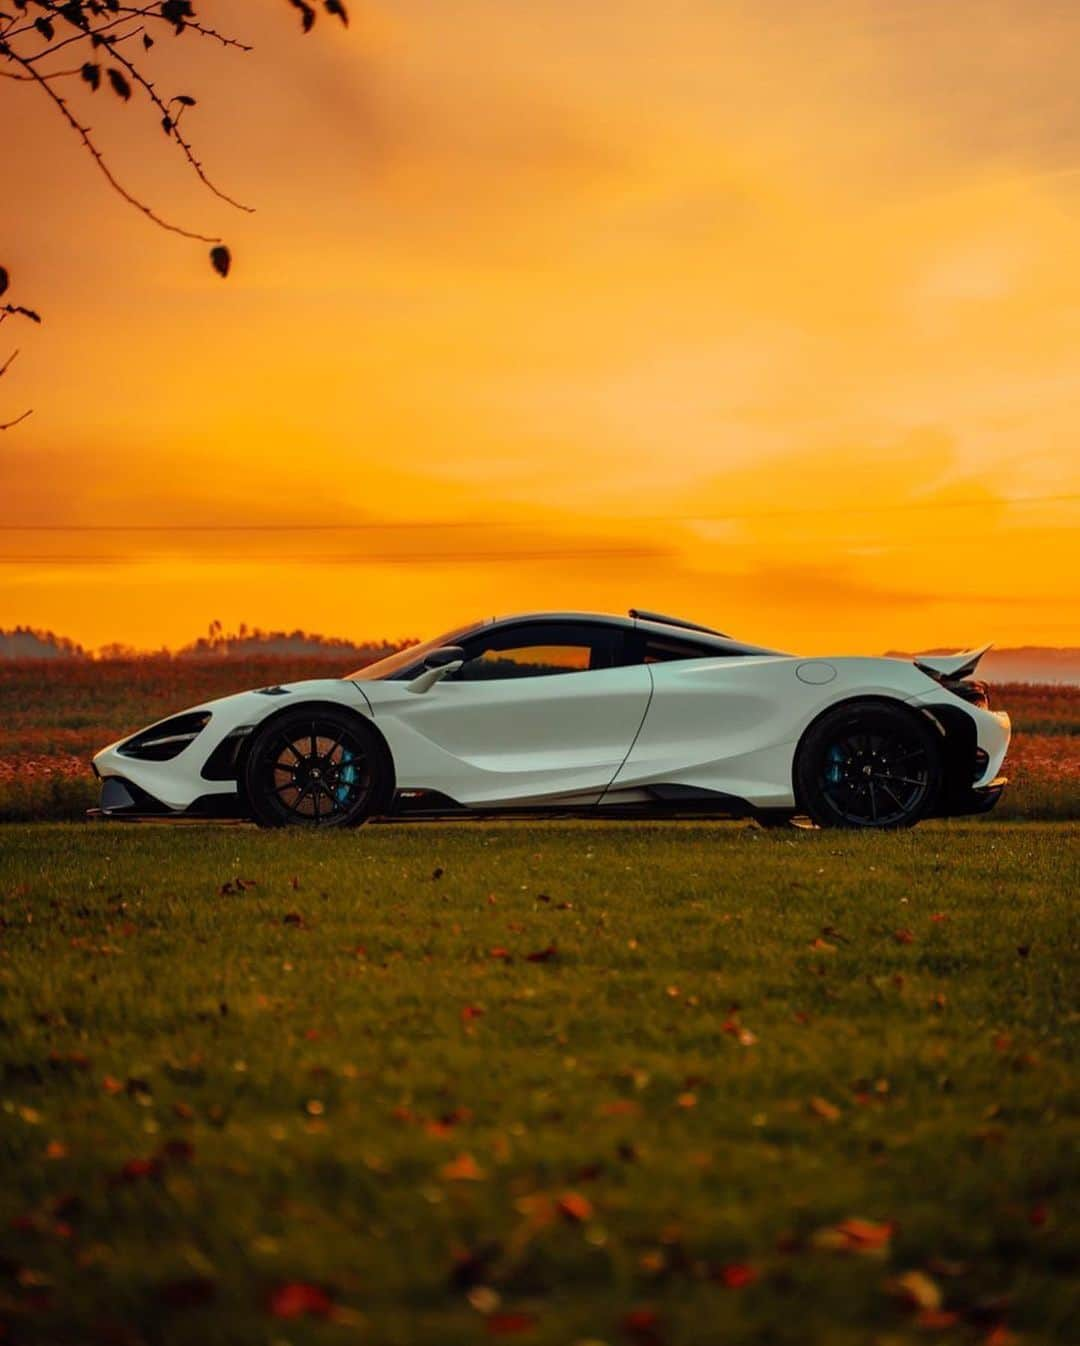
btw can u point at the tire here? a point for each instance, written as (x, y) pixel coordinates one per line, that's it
(317, 767)
(869, 765)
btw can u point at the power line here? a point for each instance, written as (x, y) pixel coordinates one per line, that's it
(391, 524)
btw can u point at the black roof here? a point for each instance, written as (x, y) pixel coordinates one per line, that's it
(639, 619)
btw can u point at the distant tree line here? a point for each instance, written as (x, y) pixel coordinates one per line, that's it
(25, 642)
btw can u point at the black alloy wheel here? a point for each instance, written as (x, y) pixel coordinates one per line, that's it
(316, 768)
(870, 766)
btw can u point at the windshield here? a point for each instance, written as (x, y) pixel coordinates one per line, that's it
(412, 654)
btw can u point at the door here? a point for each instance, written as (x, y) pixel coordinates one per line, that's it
(540, 712)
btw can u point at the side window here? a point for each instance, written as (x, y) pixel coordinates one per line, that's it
(539, 649)
(654, 649)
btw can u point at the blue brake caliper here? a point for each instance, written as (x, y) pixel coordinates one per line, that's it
(346, 777)
(834, 771)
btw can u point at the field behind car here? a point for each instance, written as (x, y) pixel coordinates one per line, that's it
(57, 713)
(553, 1083)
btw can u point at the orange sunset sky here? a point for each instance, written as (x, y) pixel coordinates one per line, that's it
(763, 313)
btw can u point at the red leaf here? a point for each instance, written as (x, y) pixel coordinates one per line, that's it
(543, 955)
(509, 1324)
(642, 1326)
(736, 1275)
(298, 1299)
(137, 1168)
(574, 1207)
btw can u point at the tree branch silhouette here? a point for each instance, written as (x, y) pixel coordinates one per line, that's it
(32, 31)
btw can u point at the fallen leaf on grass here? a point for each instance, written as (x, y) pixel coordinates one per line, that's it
(484, 1299)
(294, 919)
(509, 1324)
(137, 1168)
(642, 1326)
(936, 1320)
(620, 1107)
(916, 1290)
(574, 1207)
(854, 1235)
(470, 1012)
(904, 936)
(735, 1029)
(737, 1275)
(462, 1169)
(298, 1299)
(821, 1107)
(543, 955)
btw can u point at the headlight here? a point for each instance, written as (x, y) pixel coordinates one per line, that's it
(166, 740)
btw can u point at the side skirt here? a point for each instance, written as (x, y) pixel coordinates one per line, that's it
(653, 801)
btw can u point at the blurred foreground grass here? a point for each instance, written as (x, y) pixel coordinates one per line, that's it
(677, 1083)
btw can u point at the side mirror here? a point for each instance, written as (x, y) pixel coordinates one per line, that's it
(444, 656)
(437, 665)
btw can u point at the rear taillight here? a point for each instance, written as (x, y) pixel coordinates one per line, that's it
(968, 689)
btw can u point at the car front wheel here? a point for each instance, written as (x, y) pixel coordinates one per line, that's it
(316, 768)
(869, 765)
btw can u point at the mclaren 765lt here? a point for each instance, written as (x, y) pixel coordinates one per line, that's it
(576, 713)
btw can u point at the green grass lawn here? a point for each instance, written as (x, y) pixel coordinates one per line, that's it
(557, 1083)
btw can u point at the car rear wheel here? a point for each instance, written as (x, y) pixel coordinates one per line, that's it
(869, 765)
(316, 768)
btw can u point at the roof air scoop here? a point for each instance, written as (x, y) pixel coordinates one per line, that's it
(639, 614)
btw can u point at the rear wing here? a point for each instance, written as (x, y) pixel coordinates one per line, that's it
(950, 666)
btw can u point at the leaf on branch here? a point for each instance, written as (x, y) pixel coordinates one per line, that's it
(184, 98)
(45, 28)
(336, 7)
(73, 12)
(221, 260)
(176, 11)
(91, 73)
(307, 14)
(5, 280)
(147, 41)
(120, 86)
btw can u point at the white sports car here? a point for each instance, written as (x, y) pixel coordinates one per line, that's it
(580, 713)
